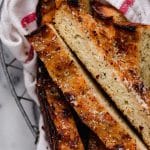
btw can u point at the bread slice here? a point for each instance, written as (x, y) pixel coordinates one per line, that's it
(59, 115)
(81, 93)
(59, 123)
(108, 12)
(111, 54)
(46, 9)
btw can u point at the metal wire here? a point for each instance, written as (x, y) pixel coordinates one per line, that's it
(18, 99)
(33, 128)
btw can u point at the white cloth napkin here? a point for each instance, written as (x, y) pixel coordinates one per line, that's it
(134, 10)
(18, 18)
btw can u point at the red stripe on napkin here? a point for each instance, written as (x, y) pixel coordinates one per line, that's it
(30, 55)
(125, 5)
(28, 19)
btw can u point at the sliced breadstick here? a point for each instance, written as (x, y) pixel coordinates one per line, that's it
(81, 93)
(111, 54)
(60, 127)
(108, 12)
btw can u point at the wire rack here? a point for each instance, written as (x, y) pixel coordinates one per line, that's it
(10, 65)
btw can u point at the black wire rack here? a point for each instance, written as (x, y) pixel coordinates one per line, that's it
(10, 66)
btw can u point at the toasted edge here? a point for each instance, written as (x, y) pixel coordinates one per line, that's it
(77, 36)
(93, 103)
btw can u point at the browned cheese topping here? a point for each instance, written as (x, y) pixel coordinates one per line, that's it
(65, 72)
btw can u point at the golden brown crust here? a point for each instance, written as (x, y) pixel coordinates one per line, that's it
(140, 53)
(66, 134)
(97, 44)
(121, 42)
(128, 48)
(120, 22)
(124, 45)
(65, 72)
(49, 127)
(47, 10)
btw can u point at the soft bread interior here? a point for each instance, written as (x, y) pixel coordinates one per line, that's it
(78, 37)
(144, 47)
(59, 124)
(81, 92)
(106, 11)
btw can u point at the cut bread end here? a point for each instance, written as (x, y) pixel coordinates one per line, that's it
(77, 34)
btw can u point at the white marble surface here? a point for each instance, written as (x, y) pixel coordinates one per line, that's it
(14, 133)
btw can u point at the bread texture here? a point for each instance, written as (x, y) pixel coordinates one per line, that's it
(81, 93)
(106, 12)
(46, 9)
(60, 127)
(111, 54)
(59, 120)
(144, 47)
